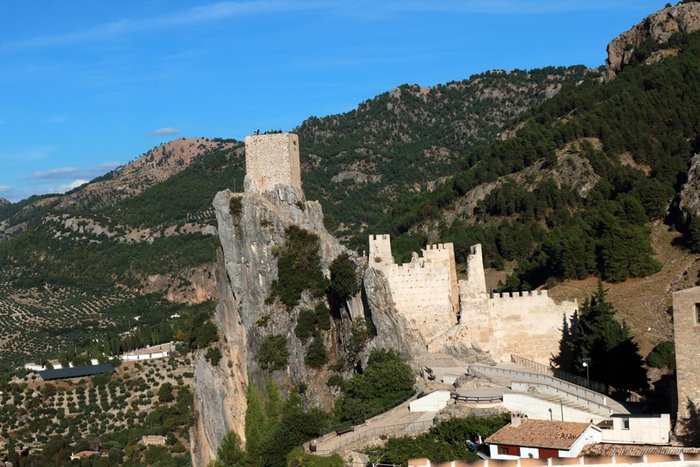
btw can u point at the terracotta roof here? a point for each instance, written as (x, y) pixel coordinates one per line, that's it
(609, 449)
(539, 434)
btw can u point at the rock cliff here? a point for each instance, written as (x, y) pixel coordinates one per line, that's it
(251, 230)
(659, 27)
(690, 194)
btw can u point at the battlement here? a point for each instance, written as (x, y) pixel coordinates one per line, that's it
(524, 294)
(270, 160)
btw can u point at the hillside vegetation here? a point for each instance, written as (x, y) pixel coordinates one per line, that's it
(635, 133)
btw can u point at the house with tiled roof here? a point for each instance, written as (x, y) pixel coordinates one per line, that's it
(541, 439)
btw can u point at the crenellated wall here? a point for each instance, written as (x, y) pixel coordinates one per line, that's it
(425, 290)
(449, 312)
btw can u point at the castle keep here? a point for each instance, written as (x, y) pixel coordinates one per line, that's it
(686, 335)
(270, 160)
(446, 311)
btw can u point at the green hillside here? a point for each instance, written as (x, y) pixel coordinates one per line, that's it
(636, 132)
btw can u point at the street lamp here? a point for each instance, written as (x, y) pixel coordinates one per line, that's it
(586, 364)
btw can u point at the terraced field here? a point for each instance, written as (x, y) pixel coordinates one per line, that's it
(40, 321)
(114, 411)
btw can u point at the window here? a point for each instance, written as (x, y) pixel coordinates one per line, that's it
(697, 313)
(509, 450)
(625, 423)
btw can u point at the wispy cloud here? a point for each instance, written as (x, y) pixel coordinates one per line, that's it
(201, 14)
(5, 188)
(165, 131)
(74, 184)
(59, 172)
(65, 173)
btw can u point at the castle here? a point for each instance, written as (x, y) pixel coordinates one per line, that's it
(270, 160)
(446, 311)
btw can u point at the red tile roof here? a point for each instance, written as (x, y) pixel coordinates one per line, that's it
(539, 434)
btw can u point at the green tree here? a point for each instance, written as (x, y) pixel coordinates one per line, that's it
(344, 281)
(165, 393)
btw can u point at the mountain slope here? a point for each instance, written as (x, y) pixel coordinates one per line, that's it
(410, 138)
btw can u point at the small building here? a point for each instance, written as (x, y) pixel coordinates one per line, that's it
(153, 440)
(541, 439)
(76, 371)
(637, 429)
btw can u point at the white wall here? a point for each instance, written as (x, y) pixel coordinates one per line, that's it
(539, 409)
(642, 430)
(431, 402)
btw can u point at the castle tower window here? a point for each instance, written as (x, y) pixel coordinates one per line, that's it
(697, 314)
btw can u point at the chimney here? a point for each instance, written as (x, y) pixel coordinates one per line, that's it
(516, 419)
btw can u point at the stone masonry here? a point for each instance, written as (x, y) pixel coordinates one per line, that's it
(451, 313)
(425, 290)
(686, 334)
(271, 160)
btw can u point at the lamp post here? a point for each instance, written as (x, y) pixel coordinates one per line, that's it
(586, 364)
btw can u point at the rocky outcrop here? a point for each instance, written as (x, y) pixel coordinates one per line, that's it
(690, 194)
(393, 330)
(658, 27)
(220, 391)
(251, 233)
(4, 202)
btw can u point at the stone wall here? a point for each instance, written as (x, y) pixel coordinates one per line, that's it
(686, 334)
(424, 291)
(456, 314)
(272, 160)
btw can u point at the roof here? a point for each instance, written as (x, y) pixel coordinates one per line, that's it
(611, 449)
(76, 371)
(539, 434)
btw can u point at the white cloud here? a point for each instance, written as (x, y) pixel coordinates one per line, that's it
(74, 184)
(59, 172)
(165, 131)
(5, 188)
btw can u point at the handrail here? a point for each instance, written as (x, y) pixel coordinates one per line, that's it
(592, 394)
(559, 374)
(409, 427)
(568, 395)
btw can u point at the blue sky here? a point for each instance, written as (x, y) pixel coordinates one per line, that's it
(86, 85)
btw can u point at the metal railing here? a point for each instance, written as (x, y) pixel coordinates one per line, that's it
(560, 374)
(477, 399)
(591, 395)
(349, 440)
(548, 389)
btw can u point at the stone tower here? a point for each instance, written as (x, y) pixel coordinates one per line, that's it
(380, 250)
(270, 160)
(686, 334)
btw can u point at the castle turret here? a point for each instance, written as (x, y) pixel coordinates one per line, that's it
(380, 250)
(270, 160)
(686, 335)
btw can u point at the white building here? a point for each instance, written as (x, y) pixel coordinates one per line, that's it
(541, 439)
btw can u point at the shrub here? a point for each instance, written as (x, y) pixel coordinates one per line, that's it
(299, 267)
(316, 355)
(235, 206)
(213, 355)
(344, 281)
(663, 355)
(273, 352)
(306, 325)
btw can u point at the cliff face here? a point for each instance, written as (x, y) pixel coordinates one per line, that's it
(690, 194)
(659, 27)
(250, 234)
